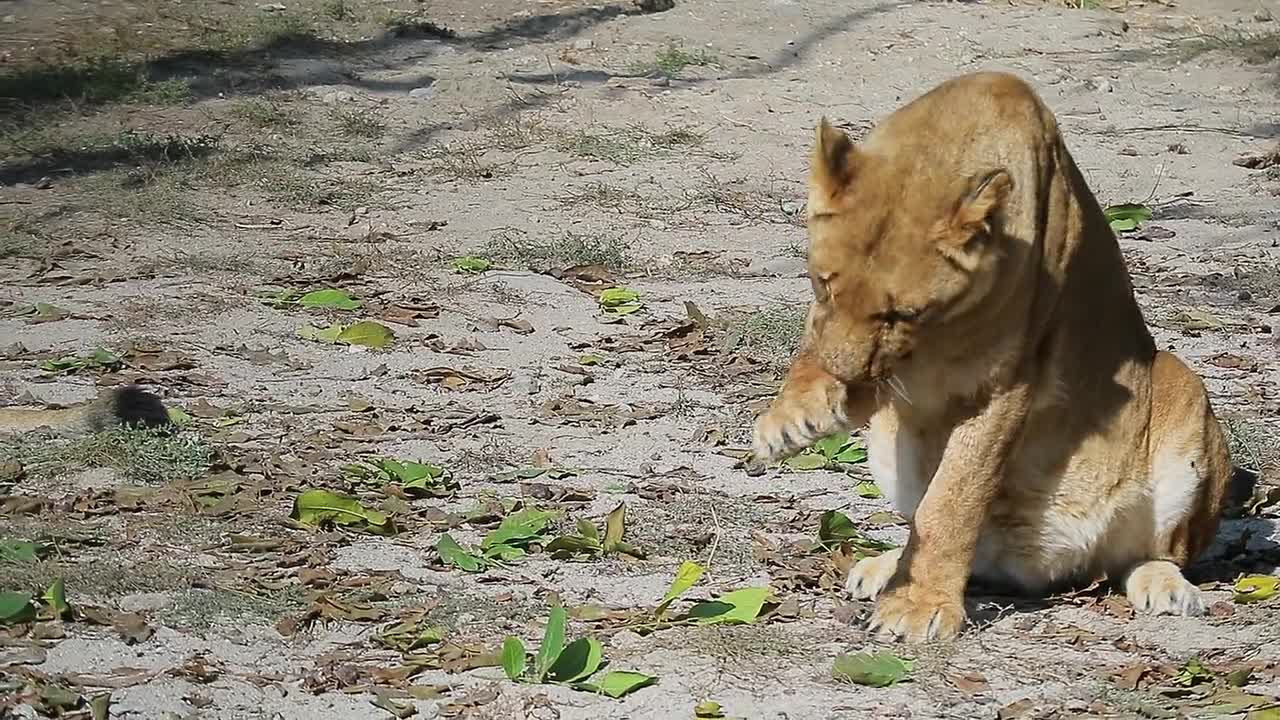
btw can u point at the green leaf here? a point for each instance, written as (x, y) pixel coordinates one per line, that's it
(617, 683)
(831, 445)
(879, 670)
(504, 553)
(834, 526)
(397, 708)
(570, 546)
(471, 264)
(178, 416)
(806, 461)
(513, 657)
(852, 455)
(315, 507)
(55, 598)
(618, 296)
(19, 551)
(1192, 673)
(552, 643)
(417, 479)
(328, 335)
(579, 660)
(589, 360)
(16, 607)
(519, 528)
(367, 333)
(732, 608)
(331, 298)
(1255, 588)
(686, 575)
(1126, 217)
(614, 527)
(707, 710)
(868, 489)
(452, 553)
(588, 529)
(100, 706)
(620, 301)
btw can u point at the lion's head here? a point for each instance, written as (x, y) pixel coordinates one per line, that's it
(898, 243)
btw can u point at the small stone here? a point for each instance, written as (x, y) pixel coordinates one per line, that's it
(272, 7)
(583, 44)
(422, 92)
(1099, 84)
(661, 82)
(1259, 16)
(9, 19)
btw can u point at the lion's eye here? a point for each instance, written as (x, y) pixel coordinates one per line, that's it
(821, 287)
(893, 316)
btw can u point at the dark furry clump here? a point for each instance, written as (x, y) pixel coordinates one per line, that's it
(133, 406)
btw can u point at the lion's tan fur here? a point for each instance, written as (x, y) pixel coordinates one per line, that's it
(971, 301)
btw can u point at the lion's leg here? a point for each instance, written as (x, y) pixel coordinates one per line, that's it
(1190, 469)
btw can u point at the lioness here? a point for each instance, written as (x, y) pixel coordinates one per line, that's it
(971, 301)
(128, 405)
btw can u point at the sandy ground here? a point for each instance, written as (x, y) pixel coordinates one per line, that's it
(666, 152)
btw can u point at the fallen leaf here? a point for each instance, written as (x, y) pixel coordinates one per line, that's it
(131, 627)
(618, 683)
(471, 264)
(16, 607)
(620, 301)
(330, 298)
(451, 553)
(397, 708)
(367, 333)
(879, 670)
(707, 710)
(316, 507)
(732, 608)
(1255, 588)
(1127, 217)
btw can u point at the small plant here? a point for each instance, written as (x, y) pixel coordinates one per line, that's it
(575, 664)
(266, 114)
(360, 123)
(588, 543)
(416, 479)
(672, 59)
(508, 543)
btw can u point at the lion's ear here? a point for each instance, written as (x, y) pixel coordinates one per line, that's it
(834, 161)
(984, 197)
(967, 232)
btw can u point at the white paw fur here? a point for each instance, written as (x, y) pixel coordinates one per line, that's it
(869, 576)
(1158, 587)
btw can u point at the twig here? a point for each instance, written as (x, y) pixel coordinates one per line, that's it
(715, 540)
(1190, 128)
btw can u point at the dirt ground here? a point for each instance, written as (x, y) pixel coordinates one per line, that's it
(176, 174)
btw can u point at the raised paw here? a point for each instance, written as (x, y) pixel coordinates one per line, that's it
(1158, 587)
(870, 575)
(916, 616)
(798, 418)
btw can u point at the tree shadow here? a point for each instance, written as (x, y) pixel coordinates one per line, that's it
(249, 70)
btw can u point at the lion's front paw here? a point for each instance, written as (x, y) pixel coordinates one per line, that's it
(796, 420)
(916, 615)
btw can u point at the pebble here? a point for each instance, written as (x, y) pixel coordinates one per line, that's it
(422, 92)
